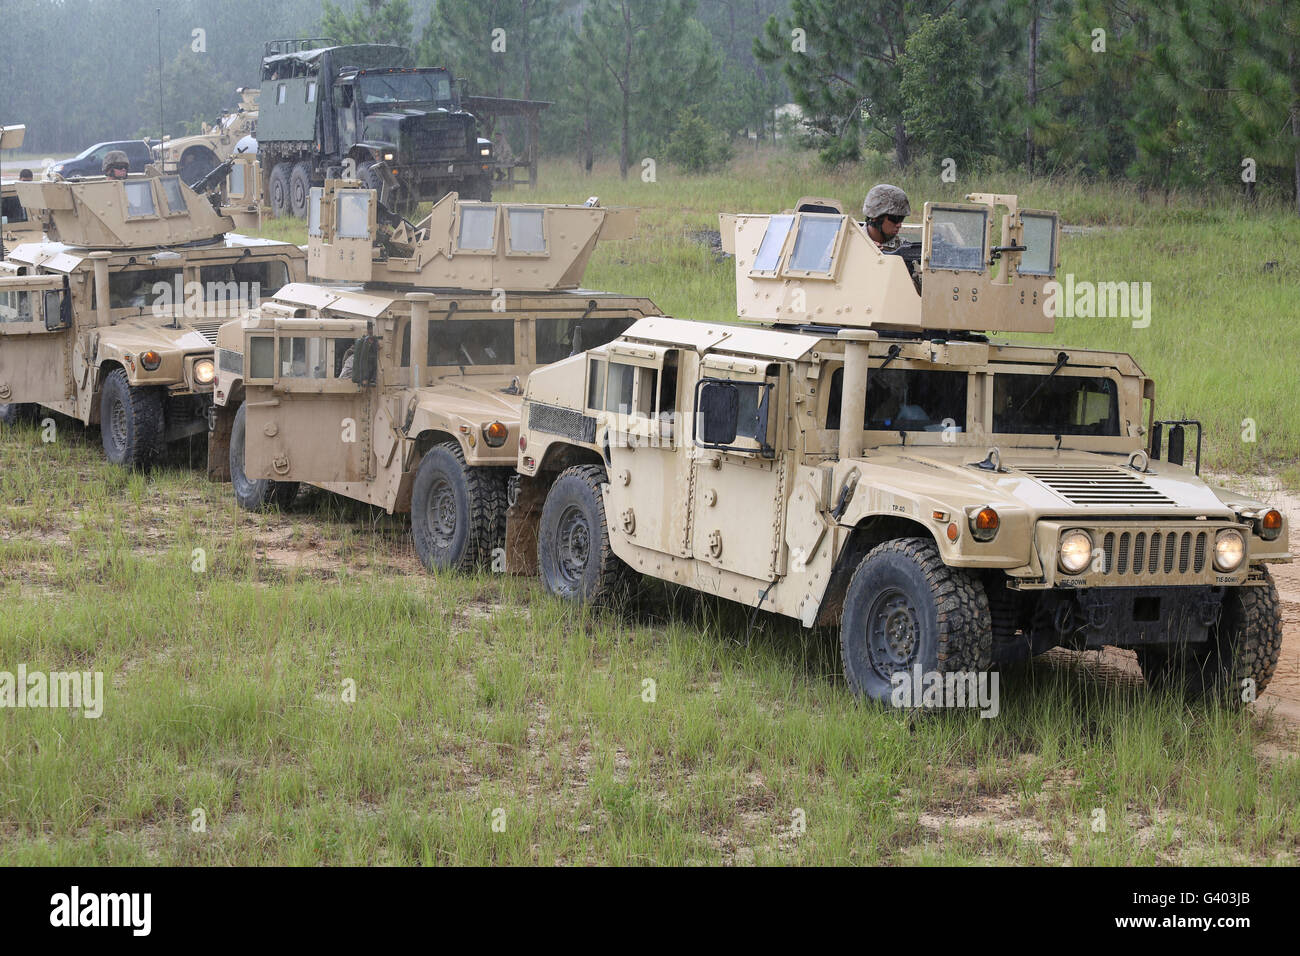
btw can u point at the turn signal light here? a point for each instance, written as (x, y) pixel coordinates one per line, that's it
(150, 360)
(984, 524)
(1270, 526)
(495, 434)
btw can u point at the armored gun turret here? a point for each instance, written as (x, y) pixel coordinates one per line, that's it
(419, 338)
(860, 453)
(112, 320)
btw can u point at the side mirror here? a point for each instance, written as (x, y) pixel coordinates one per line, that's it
(58, 309)
(719, 407)
(1176, 442)
(365, 360)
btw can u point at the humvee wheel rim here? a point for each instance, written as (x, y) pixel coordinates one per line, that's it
(893, 632)
(442, 513)
(574, 544)
(118, 424)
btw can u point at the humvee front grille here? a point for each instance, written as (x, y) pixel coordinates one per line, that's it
(566, 422)
(1146, 554)
(1096, 485)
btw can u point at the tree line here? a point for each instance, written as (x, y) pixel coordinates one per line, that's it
(1168, 93)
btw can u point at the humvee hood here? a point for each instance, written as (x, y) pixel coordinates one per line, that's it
(1050, 482)
(477, 395)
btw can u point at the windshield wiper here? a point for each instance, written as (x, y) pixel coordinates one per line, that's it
(1062, 359)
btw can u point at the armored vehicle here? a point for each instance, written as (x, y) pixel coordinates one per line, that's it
(858, 452)
(193, 157)
(362, 111)
(113, 320)
(399, 383)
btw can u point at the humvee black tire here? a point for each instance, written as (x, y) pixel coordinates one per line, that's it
(1243, 646)
(130, 421)
(300, 190)
(196, 163)
(458, 513)
(255, 494)
(905, 607)
(574, 558)
(19, 413)
(278, 190)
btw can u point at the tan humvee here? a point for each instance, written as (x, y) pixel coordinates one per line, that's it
(404, 391)
(867, 458)
(192, 157)
(113, 320)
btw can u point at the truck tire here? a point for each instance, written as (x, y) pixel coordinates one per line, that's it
(196, 162)
(300, 190)
(574, 558)
(19, 413)
(260, 493)
(367, 176)
(1243, 646)
(905, 607)
(278, 190)
(458, 513)
(130, 421)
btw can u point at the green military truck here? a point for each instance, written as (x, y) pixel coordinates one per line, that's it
(361, 110)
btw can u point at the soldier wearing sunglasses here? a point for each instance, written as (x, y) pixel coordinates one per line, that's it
(116, 165)
(884, 209)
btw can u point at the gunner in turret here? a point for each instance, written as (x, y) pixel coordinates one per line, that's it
(884, 209)
(116, 165)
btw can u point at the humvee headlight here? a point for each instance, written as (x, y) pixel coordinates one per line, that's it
(1270, 526)
(1229, 549)
(150, 360)
(204, 371)
(1076, 551)
(495, 434)
(485, 151)
(388, 157)
(984, 524)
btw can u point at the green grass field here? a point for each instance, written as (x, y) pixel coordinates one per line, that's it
(491, 724)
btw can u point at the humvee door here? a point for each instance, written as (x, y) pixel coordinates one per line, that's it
(309, 387)
(35, 316)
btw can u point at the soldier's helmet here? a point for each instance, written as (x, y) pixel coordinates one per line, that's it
(885, 200)
(115, 157)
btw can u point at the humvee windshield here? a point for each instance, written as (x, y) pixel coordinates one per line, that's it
(555, 337)
(390, 88)
(1059, 405)
(464, 342)
(905, 399)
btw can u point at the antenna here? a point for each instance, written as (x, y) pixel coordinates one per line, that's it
(161, 125)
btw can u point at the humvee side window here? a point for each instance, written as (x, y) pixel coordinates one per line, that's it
(906, 399)
(1039, 236)
(478, 228)
(304, 357)
(311, 91)
(527, 230)
(354, 214)
(15, 306)
(53, 308)
(595, 384)
(139, 199)
(727, 411)
(814, 243)
(1060, 405)
(175, 199)
(235, 183)
(957, 239)
(769, 250)
(261, 356)
(279, 94)
(618, 388)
